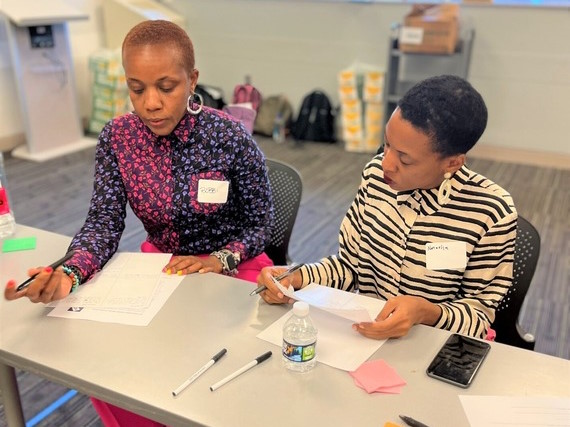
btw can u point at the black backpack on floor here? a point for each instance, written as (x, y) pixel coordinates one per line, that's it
(315, 121)
(213, 96)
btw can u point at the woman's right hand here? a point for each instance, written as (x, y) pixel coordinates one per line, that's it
(48, 286)
(272, 295)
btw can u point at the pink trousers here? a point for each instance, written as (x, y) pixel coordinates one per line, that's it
(113, 416)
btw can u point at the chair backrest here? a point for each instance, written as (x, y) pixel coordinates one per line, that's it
(527, 250)
(287, 188)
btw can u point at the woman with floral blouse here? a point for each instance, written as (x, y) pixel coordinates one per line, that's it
(192, 175)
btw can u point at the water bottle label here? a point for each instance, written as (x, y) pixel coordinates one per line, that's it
(299, 353)
(4, 207)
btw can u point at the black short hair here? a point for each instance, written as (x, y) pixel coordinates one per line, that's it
(156, 32)
(447, 109)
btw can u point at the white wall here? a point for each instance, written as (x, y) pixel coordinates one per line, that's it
(521, 59)
(520, 63)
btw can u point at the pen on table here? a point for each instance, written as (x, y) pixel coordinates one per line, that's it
(411, 422)
(243, 369)
(199, 372)
(286, 273)
(54, 265)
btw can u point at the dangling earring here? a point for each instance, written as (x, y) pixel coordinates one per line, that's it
(191, 102)
(444, 190)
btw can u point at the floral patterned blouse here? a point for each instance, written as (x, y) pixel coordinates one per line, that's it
(159, 176)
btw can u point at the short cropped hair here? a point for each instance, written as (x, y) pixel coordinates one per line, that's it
(448, 110)
(159, 32)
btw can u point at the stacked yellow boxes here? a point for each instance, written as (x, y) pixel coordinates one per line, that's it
(361, 111)
(110, 94)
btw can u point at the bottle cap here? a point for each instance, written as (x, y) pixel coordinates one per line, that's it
(301, 308)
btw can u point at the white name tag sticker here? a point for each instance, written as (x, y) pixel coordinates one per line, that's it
(411, 35)
(446, 255)
(212, 191)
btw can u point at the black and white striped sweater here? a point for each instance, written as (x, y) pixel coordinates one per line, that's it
(382, 247)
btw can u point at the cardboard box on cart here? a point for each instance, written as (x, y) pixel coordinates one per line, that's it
(430, 29)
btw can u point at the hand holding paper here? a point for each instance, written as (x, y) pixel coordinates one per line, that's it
(283, 275)
(398, 316)
(270, 288)
(288, 292)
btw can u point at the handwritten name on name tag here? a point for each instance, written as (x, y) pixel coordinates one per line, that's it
(446, 255)
(212, 191)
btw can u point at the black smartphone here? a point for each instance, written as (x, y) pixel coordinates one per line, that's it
(458, 360)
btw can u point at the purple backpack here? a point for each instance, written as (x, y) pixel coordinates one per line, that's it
(247, 93)
(244, 114)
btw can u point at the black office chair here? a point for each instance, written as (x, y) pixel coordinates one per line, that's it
(287, 187)
(506, 324)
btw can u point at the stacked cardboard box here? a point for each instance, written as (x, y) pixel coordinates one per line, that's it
(110, 96)
(430, 28)
(360, 93)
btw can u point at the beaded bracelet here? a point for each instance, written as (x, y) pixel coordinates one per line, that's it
(74, 275)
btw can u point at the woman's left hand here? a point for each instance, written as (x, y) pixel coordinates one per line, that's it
(398, 316)
(182, 265)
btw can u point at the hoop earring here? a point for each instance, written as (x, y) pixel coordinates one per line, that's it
(444, 190)
(190, 103)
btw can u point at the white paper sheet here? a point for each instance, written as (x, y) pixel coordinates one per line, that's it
(348, 305)
(501, 411)
(166, 287)
(338, 345)
(333, 300)
(128, 281)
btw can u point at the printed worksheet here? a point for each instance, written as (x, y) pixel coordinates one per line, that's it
(134, 317)
(129, 281)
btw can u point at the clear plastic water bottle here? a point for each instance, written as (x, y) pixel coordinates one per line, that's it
(299, 340)
(7, 223)
(279, 129)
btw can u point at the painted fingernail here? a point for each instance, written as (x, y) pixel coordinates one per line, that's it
(179, 272)
(11, 284)
(48, 269)
(169, 272)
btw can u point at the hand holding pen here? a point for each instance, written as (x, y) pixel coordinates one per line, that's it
(283, 275)
(50, 286)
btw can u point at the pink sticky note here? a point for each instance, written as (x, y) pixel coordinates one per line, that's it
(386, 390)
(377, 376)
(390, 390)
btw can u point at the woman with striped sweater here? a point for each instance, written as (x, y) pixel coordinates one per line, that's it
(425, 233)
